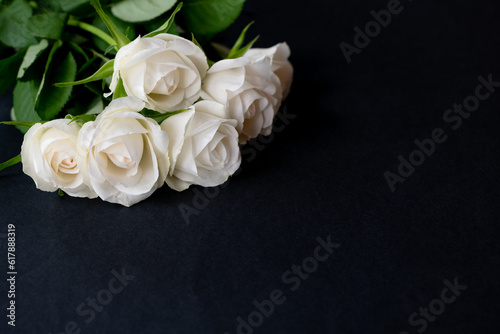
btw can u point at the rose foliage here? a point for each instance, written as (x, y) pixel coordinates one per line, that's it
(118, 98)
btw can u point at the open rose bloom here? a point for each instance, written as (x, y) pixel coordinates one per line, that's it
(252, 87)
(124, 154)
(203, 146)
(50, 157)
(164, 71)
(199, 118)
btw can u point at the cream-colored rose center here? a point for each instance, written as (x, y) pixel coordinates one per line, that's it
(120, 156)
(60, 156)
(121, 161)
(219, 154)
(251, 110)
(68, 165)
(168, 84)
(125, 153)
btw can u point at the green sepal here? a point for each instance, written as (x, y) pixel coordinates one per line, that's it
(166, 26)
(23, 124)
(160, 117)
(239, 42)
(10, 162)
(105, 71)
(193, 39)
(237, 51)
(81, 119)
(109, 49)
(119, 90)
(244, 49)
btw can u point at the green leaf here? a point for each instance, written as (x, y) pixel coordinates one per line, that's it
(95, 107)
(48, 64)
(10, 162)
(78, 50)
(118, 36)
(32, 54)
(141, 10)
(13, 19)
(24, 103)
(8, 69)
(119, 90)
(68, 5)
(208, 17)
(48, 25)
(86, 106)
(50, 100)
(167, 25)
(95, 88)
(105, 71)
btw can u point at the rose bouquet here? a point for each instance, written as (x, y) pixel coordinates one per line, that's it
(152, 109)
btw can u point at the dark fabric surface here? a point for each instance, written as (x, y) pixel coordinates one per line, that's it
(321, 176)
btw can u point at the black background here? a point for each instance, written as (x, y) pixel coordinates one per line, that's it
(321, 176)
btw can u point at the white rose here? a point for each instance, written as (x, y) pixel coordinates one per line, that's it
(281, 66)
(203, 146)
(164, 71)
(125, 153)
(49, 155)
(250, 90)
